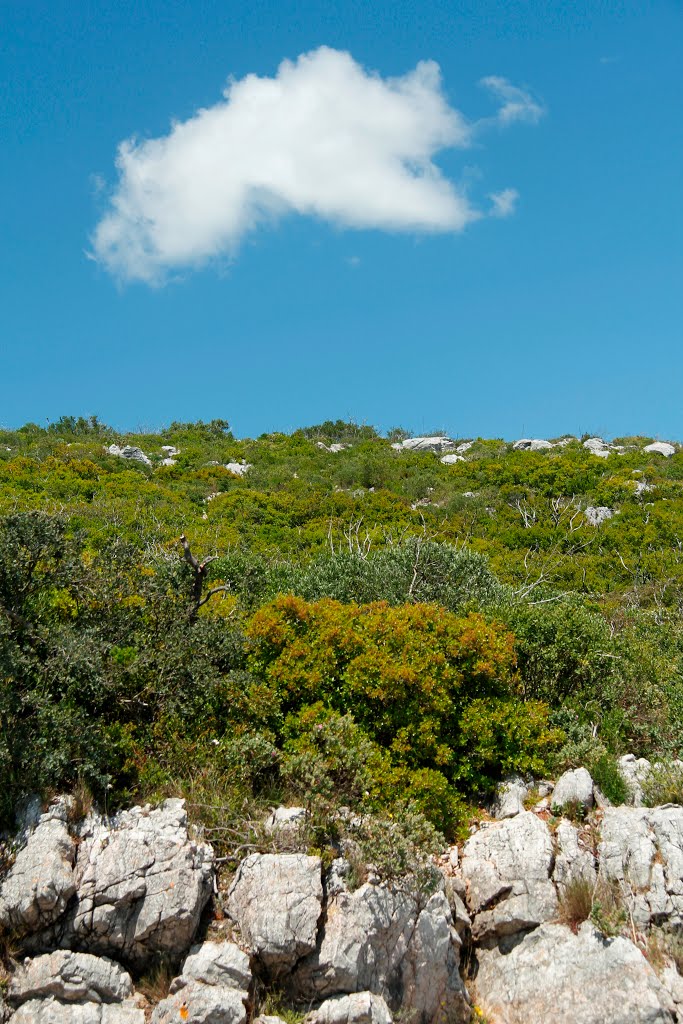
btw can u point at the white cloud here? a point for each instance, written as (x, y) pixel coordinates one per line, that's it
(517, 104)
(504, 202)
(322, 138)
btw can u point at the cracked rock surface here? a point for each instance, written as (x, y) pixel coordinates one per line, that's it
(357, 1008)
(133, 888)
(384, 941)
(276, 899)
(583, 979)
(41, 881)
(642, 850)
(507, 867)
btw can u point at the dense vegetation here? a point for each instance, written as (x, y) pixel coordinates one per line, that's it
(365, 628)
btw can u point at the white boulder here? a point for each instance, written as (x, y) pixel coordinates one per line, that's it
(129, 452)
(356, 1008)
(574, 787)
(506, 866)
(661, 448)
(276, 899)
(554, 975)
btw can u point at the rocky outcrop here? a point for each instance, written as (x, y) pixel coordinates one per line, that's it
(358, 1008)
(383, 940)
(528, 444)
(450, 460)
(574, 858)
(213, 987)
(277, 901)
(129, 452)
(67, 986)
(510, 798)
(598, 514)
(641, 849)
(661, 448)
(201, 1004)
(438, 444)
(132, 887)
(554, 975)
(507, 867)
(38, 886)
(574, 789)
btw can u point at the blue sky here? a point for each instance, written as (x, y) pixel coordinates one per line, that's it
(365, 276)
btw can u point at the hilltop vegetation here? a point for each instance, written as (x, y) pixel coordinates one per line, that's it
(347, 624)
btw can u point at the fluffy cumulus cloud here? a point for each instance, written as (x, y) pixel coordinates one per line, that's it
(323, 138)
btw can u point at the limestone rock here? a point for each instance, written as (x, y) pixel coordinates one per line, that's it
(50, 1011)
(381, 940)
(536, 444)
(286, 819)
(554, 975)
(276, 899)
(661, 448)
(357, 1008)
(202, 1004)
(506, 866)
(215, 963)
(142, 884)
(70, 977)
(450, 460)
(510, 798)
(598, 514)
(438, 444)
(573, 860)
(129, 452)
(594, 444)
(41, 881)
(642, 850)
(238, 468)
(634, 771)
(574, 787)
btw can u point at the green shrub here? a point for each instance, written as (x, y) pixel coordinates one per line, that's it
(605, 772)
(663, 784)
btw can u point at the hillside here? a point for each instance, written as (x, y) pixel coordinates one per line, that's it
(380, 622)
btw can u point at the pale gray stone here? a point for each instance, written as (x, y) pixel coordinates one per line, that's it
(438, 444)
(574, 860)
(50, 1011)
(142, 884)
(202, 1004)
(450, 460)
(285, 819)
(510, 798)
(594, 444)
(574, 787)
(554, 975)
(506, 866)
(642, 851)
(535, 444)
(238, 468)
(634, 771)
(356, 1008)
(129, 452)
(276, 899)
(382, 940)
(41, 881)
(598, 514)
(215, 963)
(661, 448)
(70, 977)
